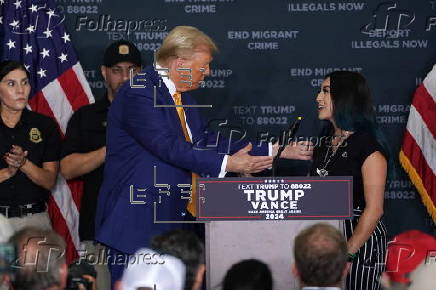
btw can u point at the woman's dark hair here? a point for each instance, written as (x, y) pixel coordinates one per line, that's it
(7, 66)
(248, 275)
(353, 108)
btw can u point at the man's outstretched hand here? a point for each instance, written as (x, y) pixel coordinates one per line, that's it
(242, 162)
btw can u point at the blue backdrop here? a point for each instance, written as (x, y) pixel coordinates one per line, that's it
(273, 56)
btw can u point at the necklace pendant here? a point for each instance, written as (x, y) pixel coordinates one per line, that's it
(322, 172)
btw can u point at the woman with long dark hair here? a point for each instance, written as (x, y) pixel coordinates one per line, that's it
(353, 146)
(29, 146)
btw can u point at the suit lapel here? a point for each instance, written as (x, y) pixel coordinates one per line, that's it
(164, 98)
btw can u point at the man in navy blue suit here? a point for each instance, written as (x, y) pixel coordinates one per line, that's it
(156, 143)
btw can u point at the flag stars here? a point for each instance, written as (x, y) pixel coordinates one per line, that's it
(31, 28)
(45, 53)
(33, 8)
(41, 73)
(66, 37)
(17, 4)
(1, 19)
(28, 48)
(11, 44)
(2, 2)
(27, 67)
(48, 32)
(50, 13)
(63, 57)
(15, 24)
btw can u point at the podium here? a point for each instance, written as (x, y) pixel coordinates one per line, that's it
(237, 232)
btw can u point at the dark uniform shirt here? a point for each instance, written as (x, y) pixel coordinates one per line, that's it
(86, 132)
(39, 135)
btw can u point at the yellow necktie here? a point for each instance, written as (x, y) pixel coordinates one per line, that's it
(191, 207)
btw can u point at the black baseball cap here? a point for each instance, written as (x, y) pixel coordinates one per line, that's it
(120, 51)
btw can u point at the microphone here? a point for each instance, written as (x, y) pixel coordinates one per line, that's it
(290, 134)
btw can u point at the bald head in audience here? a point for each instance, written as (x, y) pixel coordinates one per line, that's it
(320, 256)
(41, 263)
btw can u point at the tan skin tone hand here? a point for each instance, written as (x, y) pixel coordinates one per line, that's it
(44, 177)
(242, 162)
(14, 158)
(9, 171)
(301, 150)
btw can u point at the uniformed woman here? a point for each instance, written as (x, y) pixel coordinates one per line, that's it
(29, 146)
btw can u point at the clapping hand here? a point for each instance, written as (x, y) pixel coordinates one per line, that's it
(15, 158)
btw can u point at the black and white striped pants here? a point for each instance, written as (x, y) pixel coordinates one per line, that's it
(369, 263)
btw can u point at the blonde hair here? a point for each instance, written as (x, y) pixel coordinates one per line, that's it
(181, 42)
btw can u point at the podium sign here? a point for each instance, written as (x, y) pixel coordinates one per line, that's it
(278, 198)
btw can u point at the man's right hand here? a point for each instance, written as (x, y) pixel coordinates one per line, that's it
(242, 162)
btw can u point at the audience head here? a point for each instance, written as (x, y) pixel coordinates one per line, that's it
(187, 247)
(248, 275)
(320, 253)
(410, 263)
(165, 272)
(41, 260)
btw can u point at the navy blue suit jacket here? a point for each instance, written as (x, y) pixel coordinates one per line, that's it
(141, 136)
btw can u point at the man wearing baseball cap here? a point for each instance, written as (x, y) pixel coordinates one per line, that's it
(84, 148)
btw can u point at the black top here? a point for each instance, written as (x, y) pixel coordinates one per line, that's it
(86, 132)
(347, 161)
(39, 135)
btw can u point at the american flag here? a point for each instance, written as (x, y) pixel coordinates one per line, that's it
(418, 152)
(33, 33)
